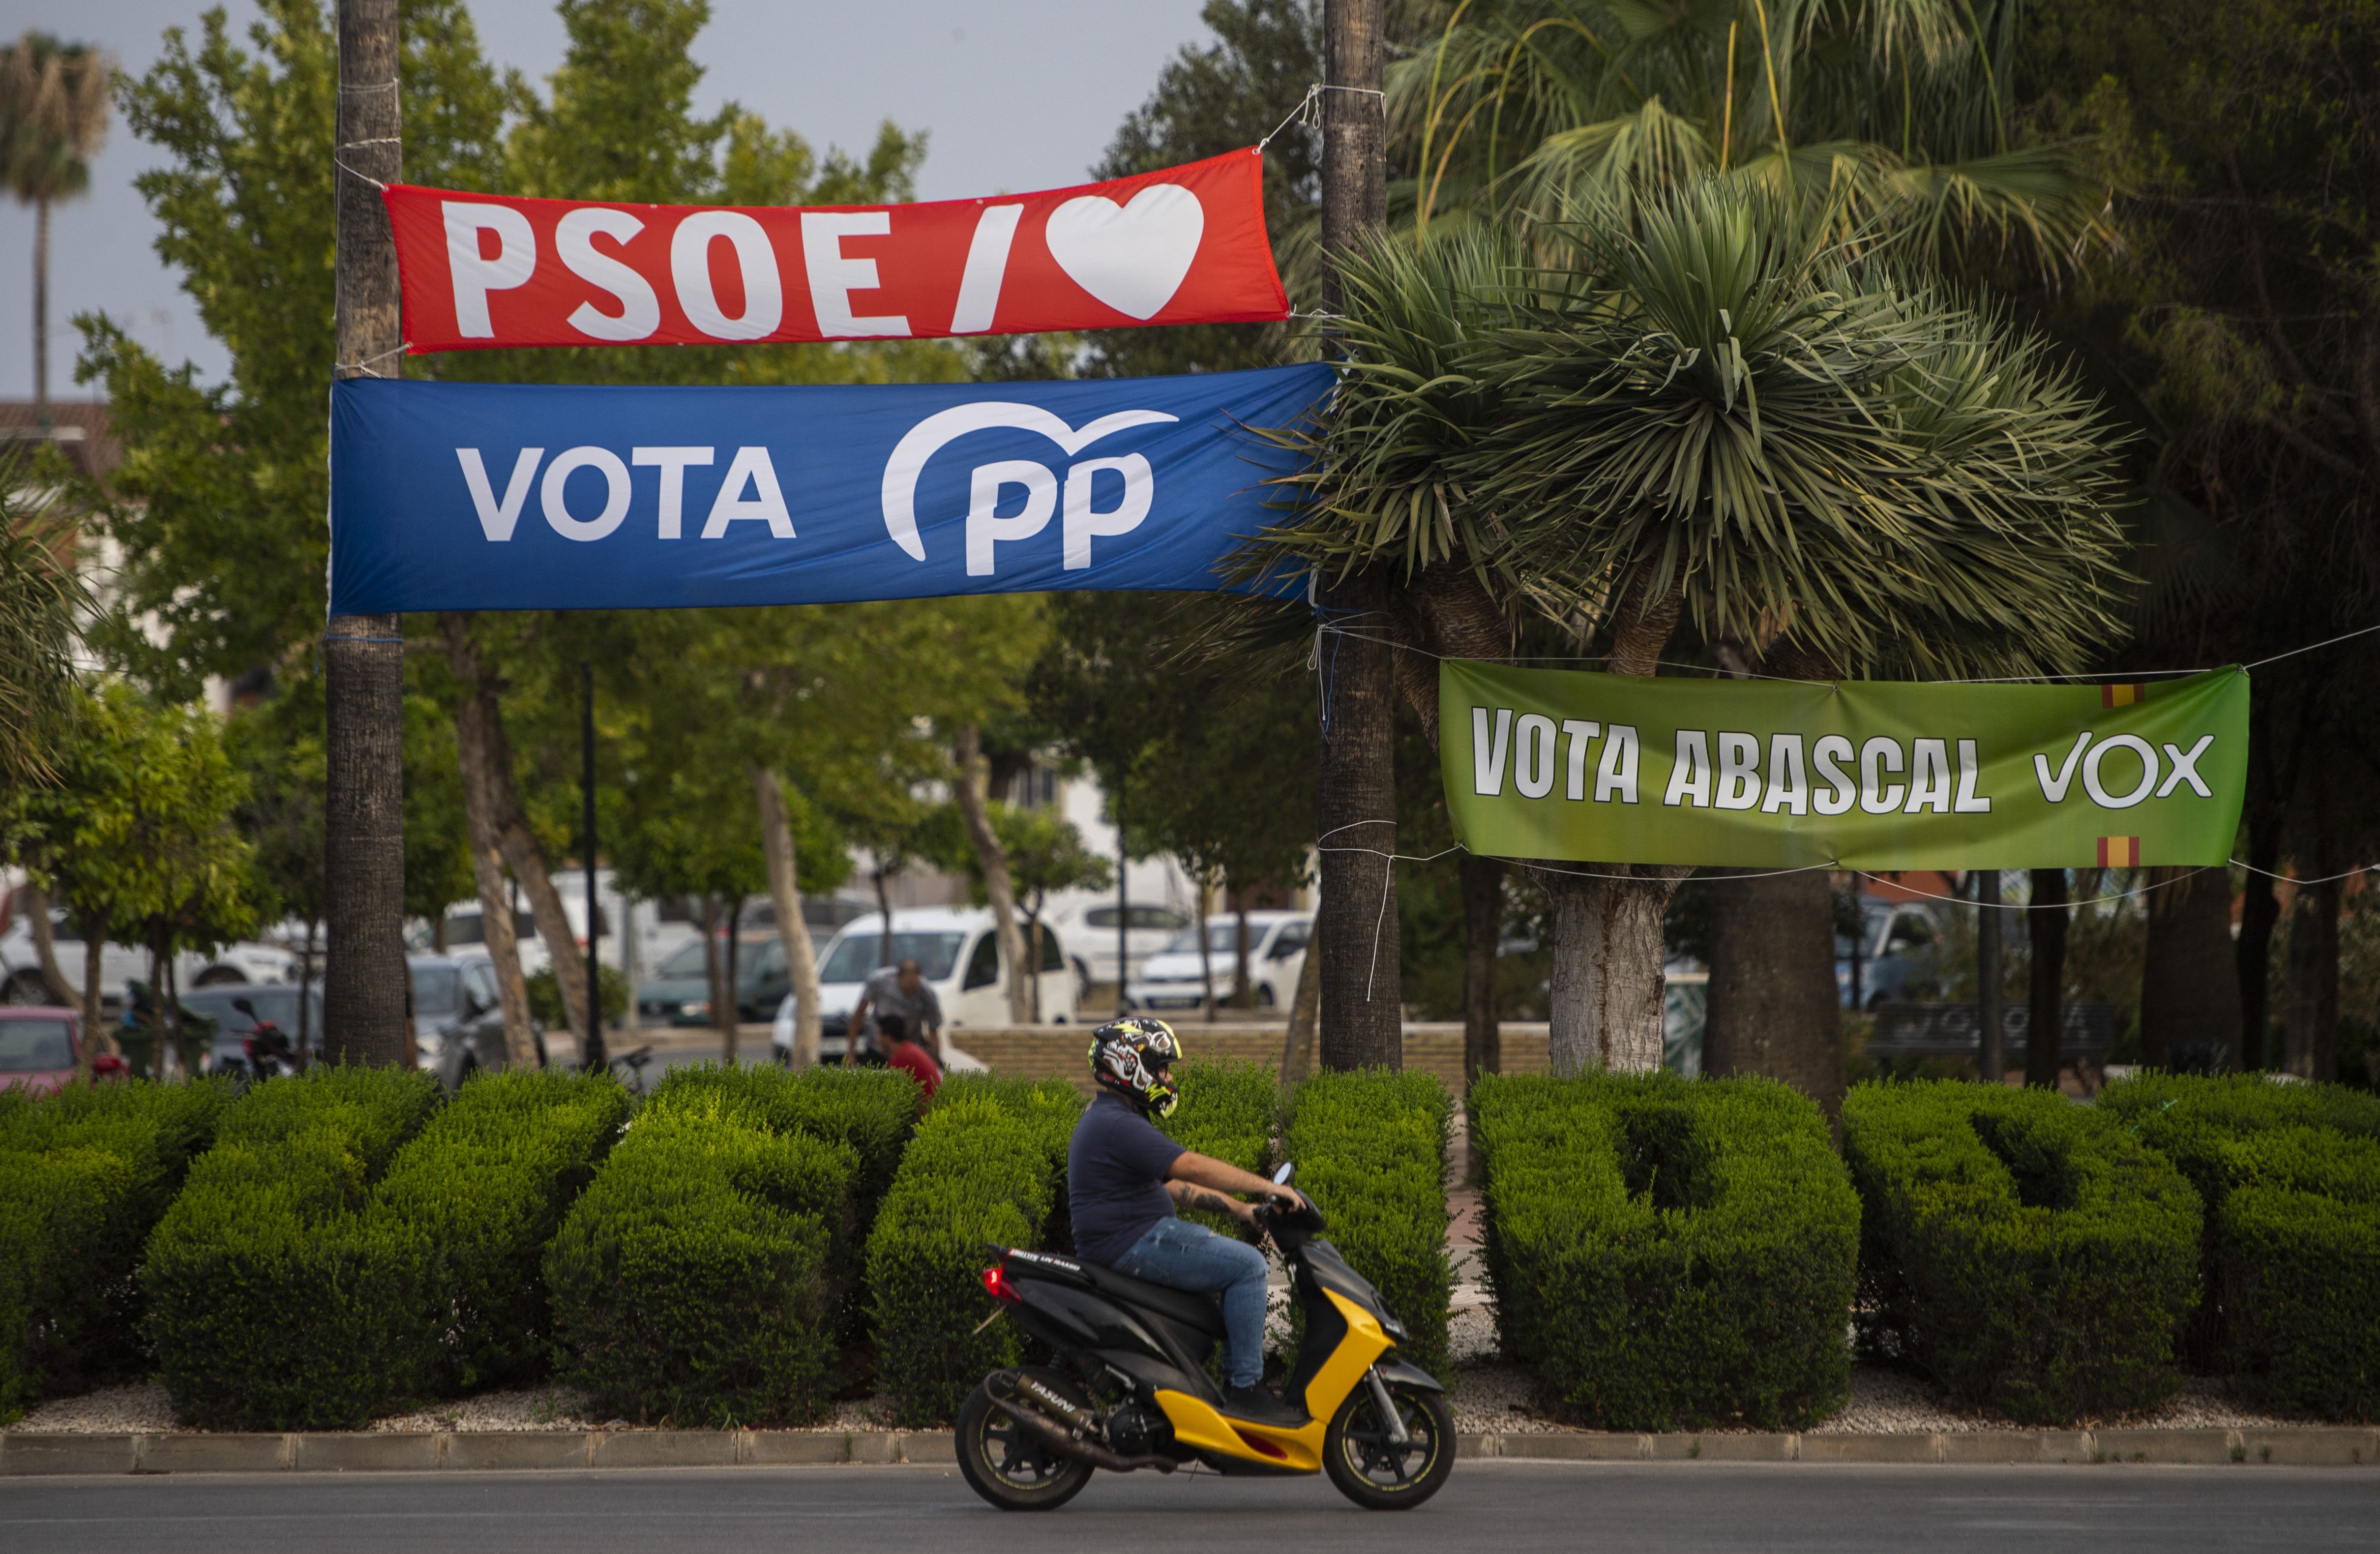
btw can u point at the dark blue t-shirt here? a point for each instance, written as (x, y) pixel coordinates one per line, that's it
(1115, 1178)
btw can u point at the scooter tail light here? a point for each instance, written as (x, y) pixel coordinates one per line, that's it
(995, 1281)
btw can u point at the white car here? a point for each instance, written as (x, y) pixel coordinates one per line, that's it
(1091, 936)
(1276, 956)
(21, 965)
(957, 952)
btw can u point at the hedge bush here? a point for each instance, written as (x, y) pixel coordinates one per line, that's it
(478, 1194)
(1370, 1150)
(871, 1110)
(271, 1285)
(2292, 1255)
(84, 1177)
(2029, 1253)
(987, 1167)
(696, 1281)
(1228, 1111)
(1669, 1253)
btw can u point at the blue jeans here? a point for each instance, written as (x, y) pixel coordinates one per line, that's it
(1190, 1257)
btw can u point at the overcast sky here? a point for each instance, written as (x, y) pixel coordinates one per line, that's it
(1020, 95)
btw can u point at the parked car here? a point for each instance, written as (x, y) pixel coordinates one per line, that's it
(277, 1006)
(1276, 955)
(957, 952)
(679, 994)
(244, 964)
(458, 1020)
(1896, 952)
(38, 1048)
(1091, 932)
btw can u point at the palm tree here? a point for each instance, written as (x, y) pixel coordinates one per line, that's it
(1721, 417)
(1890, 116)
(42, 601)
(54, 101)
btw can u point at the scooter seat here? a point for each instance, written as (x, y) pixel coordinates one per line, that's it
(1187, 1306)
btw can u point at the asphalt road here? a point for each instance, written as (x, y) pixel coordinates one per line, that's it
(1508, 1507)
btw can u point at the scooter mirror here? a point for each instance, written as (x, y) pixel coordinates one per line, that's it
(1282, 1177)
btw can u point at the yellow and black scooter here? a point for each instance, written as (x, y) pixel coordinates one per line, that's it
(1130, 1388)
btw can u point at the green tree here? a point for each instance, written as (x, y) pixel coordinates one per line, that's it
(2237, 333)
(1045, 853)
(1906, 481)
(53, 115)
(138, 836)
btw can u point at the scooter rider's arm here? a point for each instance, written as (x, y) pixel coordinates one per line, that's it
(1205, 1171)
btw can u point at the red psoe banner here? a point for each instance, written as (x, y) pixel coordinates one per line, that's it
(1184, 245)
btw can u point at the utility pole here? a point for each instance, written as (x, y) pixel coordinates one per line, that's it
(591, 1055)
(1355, 808)
(1992, 1063)
(365, 982)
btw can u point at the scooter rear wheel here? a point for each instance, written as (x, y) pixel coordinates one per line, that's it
(1379, 1474)
(1008, 1467)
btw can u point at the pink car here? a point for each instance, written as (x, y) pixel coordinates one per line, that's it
(38, 1048)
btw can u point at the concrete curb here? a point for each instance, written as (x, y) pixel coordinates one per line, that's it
(28, 1455)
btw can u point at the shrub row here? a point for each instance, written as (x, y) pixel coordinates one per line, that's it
(1370, 1150)
(987, 1167)
(2291, 1258)
(348, 1243)
(84, 1177)
(1667, 1253)
(1228, 1111)
(2029, 1253)
(269, 1281)
(706, 1275)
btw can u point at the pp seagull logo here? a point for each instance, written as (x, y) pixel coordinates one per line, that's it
(985, 527)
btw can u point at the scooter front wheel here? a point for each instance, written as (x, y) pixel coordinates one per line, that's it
(1007, 1466)
(1379, 1471)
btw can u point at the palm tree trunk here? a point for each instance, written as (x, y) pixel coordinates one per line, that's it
(2309, 1014)
(785, 894)
(2045, 995)
(1356, 810)
(968, 789)
(1607, 980)
(1773, 1007)
(2190, 981)
(365, 979)
(41, 311)
(1483, 926)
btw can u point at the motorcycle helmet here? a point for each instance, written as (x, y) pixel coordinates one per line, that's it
(1133, 1057)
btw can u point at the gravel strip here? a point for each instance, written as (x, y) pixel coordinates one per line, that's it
(140, 1408)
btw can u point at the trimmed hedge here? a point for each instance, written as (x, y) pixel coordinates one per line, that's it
(987, 1167)
(2027, 1253)
(1370, 1149)
(1669, 1253)
(477, 1195)
(1228, 1111)
(698, 1280)
(2292, 1255)
(872, 1109)
(84, 1177)
(270, 1286)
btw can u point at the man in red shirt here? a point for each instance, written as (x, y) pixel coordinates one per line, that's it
(909, 1056)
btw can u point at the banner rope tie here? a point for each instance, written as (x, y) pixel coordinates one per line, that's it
(1303, 112)
(365, 368)
(365, 177)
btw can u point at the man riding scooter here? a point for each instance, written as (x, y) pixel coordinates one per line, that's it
(1124, 1180)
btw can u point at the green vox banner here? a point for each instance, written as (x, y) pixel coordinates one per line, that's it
(1876, 774)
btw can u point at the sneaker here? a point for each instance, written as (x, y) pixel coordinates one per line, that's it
(1259, 1406)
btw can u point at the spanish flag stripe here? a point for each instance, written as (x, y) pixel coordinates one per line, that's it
(2120, 851)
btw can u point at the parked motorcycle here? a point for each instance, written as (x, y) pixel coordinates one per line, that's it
(265, 1049)
(1131, 1391)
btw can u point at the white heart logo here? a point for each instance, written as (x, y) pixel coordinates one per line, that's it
(1131, 257)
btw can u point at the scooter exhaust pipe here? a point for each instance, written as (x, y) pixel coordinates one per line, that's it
(1050, 1433)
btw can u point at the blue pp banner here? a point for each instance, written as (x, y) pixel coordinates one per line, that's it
(483, 496)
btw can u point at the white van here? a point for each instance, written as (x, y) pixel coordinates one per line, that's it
(957, 952)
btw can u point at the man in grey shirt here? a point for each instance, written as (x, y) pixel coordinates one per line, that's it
(897, 989)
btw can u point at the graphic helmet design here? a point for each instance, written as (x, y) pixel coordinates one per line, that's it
(1131, 1056)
